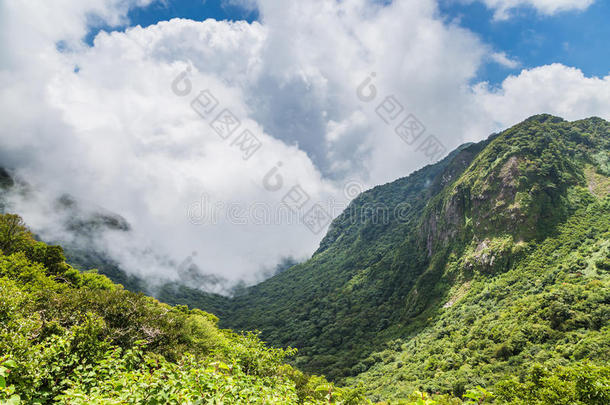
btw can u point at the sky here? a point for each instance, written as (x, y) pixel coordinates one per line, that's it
(229, 133)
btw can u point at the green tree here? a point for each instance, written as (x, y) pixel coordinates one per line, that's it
(14, 235)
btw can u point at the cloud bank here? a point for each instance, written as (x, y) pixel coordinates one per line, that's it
(321, 86)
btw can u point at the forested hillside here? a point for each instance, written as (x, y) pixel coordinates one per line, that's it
(75, 337)
(499, 263)
(482, 278)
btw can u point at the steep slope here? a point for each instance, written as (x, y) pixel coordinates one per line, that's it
(550, 308)
(333, 305)
(404, 250)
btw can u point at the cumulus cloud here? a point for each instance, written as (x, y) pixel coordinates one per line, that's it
(114, 134)
(321, 85)
(503, 8)
(554, 89)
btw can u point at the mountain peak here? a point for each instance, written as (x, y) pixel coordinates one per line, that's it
(542, 118)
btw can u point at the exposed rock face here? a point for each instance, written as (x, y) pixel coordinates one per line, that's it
(505, 187)
(490, 255)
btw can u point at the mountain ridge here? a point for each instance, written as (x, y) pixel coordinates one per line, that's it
(401, 290)
(343, 297)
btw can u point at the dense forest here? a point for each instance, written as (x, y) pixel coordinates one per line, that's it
(500, 262)
(484, 278)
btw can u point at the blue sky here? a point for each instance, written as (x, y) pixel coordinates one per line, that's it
(573, 38)
(198, 10)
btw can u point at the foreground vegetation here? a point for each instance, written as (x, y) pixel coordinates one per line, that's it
(77, 338)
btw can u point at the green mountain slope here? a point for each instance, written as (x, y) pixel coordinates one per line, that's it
(551, 307)
(490, 268)
(479, 221)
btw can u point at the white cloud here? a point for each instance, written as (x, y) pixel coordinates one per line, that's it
(502, 59)
(503, 8)
(554, 89)
(115, 135)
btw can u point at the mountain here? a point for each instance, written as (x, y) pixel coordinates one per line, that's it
(465, 271)
(490, 268)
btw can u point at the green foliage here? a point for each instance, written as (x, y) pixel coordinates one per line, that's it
(472, 217)
(135, 377)
(581, 383)
(14, 235)
(478, 395)
(550, 307)
(7, 392)
(77, 338)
